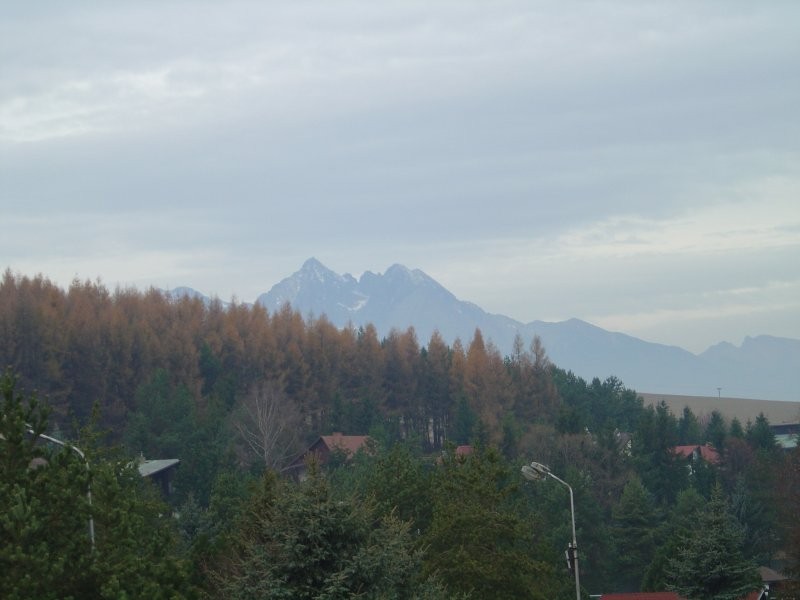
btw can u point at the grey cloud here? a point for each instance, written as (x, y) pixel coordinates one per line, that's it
(382, 133)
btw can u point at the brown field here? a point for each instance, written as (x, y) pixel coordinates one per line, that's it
(743, 409)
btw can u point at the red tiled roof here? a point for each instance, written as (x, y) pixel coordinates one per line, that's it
(755, 595)
(642, 596)
(325, 444)
(707, 452)
(349, 443)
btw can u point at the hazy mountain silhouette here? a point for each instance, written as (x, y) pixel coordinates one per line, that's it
(762, 367)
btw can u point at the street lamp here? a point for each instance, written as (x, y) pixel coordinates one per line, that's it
(80, 453)
(536, 472)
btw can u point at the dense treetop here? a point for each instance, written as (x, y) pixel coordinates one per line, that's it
(235, 392)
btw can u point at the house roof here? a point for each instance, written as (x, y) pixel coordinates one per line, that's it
(770, 576)
(350, 444)
(785, 428)
(754, 595)
(707, 452)
(642, 596)
(463, 450)
(151, 467)
(787, 441)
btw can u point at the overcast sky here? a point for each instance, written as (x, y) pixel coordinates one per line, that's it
(633, 164)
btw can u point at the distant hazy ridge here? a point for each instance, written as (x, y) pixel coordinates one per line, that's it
(763, 367)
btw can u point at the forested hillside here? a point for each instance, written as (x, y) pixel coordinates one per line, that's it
(236, 392)
(119, 349)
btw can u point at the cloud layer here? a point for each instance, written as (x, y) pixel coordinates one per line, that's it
(635, 165)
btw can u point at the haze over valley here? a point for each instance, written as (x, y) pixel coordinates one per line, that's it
(760, 367)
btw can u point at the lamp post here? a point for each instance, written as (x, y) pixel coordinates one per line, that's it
(537, 471)
(80, 453)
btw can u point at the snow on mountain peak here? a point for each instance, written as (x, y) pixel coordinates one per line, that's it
(404, 297)
(315, 270)
(398, 271)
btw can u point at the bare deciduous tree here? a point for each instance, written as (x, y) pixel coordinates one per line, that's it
(268, 422)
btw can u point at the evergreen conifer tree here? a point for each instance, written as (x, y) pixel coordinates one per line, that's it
(634, 524)
(709, 564)
(300, 541)
(46, 516)
(478, 543)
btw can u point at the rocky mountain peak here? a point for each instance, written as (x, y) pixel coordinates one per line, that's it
(763, 367)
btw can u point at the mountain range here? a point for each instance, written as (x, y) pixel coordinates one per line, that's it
(763, 367)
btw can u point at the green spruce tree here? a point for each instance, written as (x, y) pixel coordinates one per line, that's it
(478, 543)
(709, 563)
(300, 541)
(77, 525)
(633, 534)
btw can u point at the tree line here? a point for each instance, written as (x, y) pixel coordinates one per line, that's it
(86, 345)
(235, 392)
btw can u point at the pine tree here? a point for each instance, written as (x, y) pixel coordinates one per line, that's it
(478, 542)
(634, 524)
(669, 537)
(689, 430)
(662, 473)
(716, 431)
(760, 436)
(790, 504)
(44, 511)
(47, 516)
(709, 564)
(299, 541)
